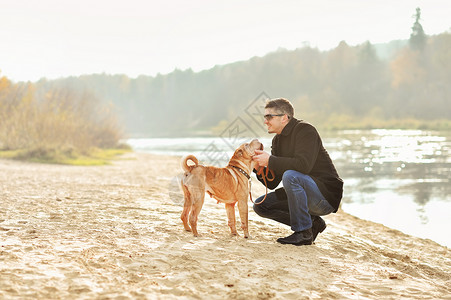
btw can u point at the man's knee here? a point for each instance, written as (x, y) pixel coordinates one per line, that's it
(260, 207)
(289, 177)
(256, 209)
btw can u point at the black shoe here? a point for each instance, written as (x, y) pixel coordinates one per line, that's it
(318, 226)
(298, 238)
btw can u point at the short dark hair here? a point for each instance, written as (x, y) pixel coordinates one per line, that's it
(282, 106)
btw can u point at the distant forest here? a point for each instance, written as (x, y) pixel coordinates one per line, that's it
(399, 84)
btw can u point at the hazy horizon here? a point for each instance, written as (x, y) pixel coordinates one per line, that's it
(55, 39)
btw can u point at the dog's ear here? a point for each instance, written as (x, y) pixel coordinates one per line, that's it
(239, 152)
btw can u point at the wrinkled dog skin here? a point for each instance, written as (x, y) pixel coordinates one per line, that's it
(227, 185)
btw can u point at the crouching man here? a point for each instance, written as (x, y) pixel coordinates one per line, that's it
(311, 185)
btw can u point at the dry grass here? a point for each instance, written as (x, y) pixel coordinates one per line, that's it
(62, 125)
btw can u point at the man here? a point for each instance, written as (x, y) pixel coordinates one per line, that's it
(311, 185)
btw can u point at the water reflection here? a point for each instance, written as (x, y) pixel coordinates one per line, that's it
(385, 168)
(407, 161)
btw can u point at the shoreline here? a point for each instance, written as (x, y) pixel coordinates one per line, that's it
(115, 231)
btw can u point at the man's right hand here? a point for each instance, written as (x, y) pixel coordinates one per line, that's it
(261, 157)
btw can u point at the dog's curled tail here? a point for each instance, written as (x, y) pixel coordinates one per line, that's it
(185, 166)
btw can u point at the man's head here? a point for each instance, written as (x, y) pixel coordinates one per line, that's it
(278, 113)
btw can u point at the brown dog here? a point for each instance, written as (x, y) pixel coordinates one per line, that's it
(228, 185)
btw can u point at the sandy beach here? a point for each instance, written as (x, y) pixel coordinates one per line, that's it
(114, 232)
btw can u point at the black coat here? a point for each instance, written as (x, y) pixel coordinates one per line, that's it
(299, 147)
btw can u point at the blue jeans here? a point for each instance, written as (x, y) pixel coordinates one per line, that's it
(303, 200)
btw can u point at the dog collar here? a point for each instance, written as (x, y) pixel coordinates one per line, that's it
(241, 171)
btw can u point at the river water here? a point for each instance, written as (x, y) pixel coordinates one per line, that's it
(400, 178)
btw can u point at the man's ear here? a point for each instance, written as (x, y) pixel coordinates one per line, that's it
(286, 118)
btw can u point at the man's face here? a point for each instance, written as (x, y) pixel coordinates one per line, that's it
(276, 122)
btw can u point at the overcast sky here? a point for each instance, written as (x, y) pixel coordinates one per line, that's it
(55, 38)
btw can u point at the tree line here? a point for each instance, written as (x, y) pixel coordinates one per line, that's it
(402, 84)
(349, 86)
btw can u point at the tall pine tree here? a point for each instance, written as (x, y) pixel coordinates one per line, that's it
(417, 39)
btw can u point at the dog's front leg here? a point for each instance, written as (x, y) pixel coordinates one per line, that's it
(242, 208)
(230, 208)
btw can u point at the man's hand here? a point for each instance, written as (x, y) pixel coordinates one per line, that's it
(261, 158)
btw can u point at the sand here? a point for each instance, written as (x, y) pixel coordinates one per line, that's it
(114, 232)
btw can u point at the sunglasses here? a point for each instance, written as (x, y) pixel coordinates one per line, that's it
(270, 116)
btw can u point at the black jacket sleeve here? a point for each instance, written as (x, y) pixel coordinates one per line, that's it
(307, 145)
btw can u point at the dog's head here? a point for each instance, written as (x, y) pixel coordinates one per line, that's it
(252, 146)
(246, 151)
